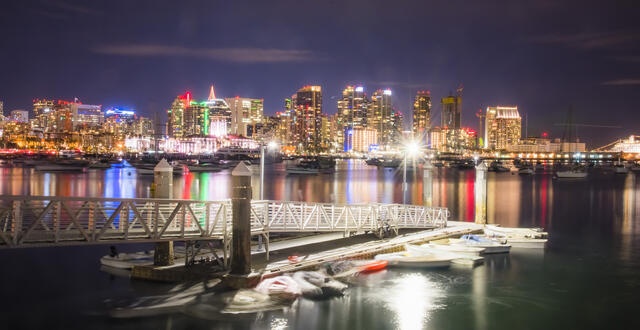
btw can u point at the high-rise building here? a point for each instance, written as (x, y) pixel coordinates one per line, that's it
(245, 112)
(19, 115)
(218, 110)
(175, 122)
(380, 116)
(362, 138)
(422, 116)
(451, 110)
(307, 105)
(503, 127)
(353, 108)
(86, 115)
(196, 120)
(1, 108)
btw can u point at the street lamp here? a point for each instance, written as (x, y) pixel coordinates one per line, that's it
(411, 149)
(271, 146)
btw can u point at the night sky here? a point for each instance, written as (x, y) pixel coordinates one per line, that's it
(540, 55)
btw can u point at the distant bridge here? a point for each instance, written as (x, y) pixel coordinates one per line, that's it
(30, 221)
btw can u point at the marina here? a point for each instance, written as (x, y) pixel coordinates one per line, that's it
(314, 252)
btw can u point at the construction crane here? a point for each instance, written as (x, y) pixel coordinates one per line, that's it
(480, 116)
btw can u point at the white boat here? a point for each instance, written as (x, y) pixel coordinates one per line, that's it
(456, 258)
(527, 243)
(404, 259)
(457, 249)
(620, 169)
(490, 246)
(571, 174)
(128, 260)
(506, 232)
(525, 171)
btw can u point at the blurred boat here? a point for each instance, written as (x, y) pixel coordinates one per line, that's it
(405, 259)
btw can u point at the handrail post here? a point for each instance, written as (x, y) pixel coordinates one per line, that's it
(163, 181)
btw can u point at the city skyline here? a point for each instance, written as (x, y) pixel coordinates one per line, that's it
(573, 59)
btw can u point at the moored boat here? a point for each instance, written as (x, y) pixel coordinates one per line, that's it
(506, 232)
(404, 259)
(574, 173)
(127, 260)
(525, 170)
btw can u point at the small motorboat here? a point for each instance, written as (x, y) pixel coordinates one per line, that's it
(373, 266)
(406, 259)
(527, 243)
(204, 167)
(620, 169)
(497, 167)
(455, 248)
(506, 232)
(281, 287)
(99, 164)
(490, 245)
(63, 165)
(302, 170)
(575, 173)
(128, 260)
(436, 250)
(525, 171)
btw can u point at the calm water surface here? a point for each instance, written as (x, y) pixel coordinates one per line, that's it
(588, 277)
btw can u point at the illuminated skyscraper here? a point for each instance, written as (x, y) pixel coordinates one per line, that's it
(175, 122)
(308, 121)
(503, 127)
(352, 111)
(380, 116)
(244, 112)
(353, 106)
(422, 115)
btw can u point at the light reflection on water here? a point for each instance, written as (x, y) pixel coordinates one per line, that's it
(594, 226)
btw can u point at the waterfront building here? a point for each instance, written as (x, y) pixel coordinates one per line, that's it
(19, 115)
(175, 121)
(396, 126)
(451, 112)
(307, 104)
(245, 112)
(543, 144)
(382, 118)
(353, 108)
(422, 116)
(362, 139)
(450, 120)
(219, 109)
(85, 115)
(503, 127)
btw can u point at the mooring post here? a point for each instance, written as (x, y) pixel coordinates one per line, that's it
(163, 182)
(427, 183)
(481, 194)
(241, 209)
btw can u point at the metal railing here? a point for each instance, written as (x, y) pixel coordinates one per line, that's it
(44, 220)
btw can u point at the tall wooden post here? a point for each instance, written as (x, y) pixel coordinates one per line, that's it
(481, 194)
(427, 183)
(241, 208)
(163, 182)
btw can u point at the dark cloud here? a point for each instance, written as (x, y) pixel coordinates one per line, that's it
(622, 82)
(238, 55)
(588, 40)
